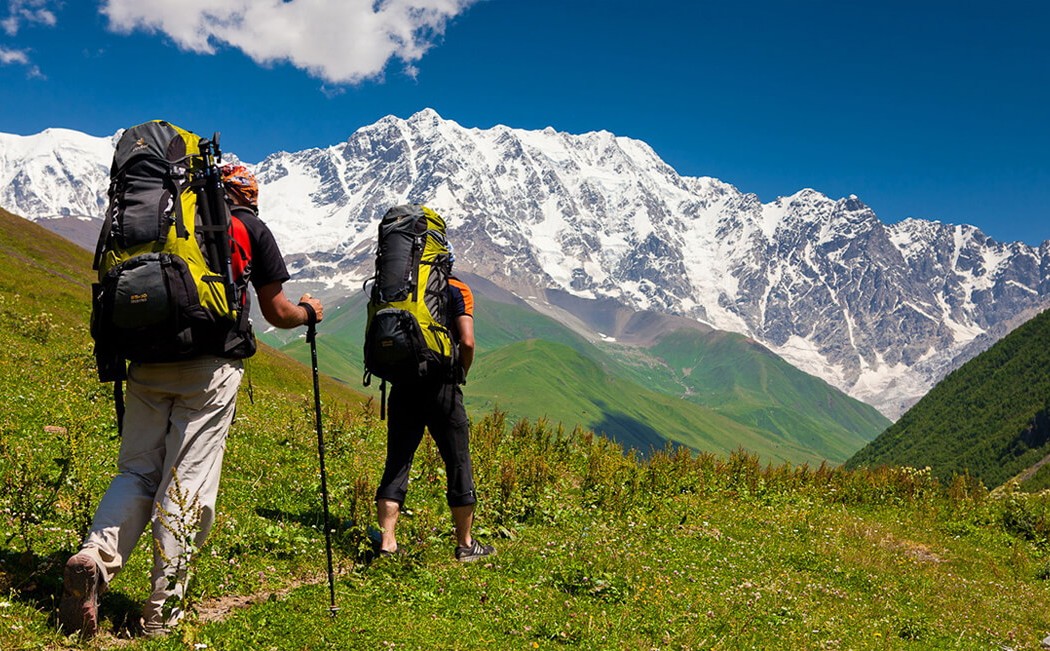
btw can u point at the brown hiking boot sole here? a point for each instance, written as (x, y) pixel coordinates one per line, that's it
(78, 610)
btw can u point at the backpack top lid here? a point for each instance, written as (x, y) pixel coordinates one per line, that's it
(153, 162)
(409, 235)
(155, 139)
(410, 212)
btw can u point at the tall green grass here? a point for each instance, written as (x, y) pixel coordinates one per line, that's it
(597, 549)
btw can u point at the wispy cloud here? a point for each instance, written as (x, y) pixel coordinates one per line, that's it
(338, 41)
(20, 12)
(19, 57)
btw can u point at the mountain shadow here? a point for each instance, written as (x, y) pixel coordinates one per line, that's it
(629, 432)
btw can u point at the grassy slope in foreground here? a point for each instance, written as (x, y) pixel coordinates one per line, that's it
(987, 418)
(595, 550)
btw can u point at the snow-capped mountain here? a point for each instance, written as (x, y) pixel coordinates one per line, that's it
(880, 311)
(55, 173)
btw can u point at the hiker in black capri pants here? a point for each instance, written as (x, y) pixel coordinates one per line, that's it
(437, 404)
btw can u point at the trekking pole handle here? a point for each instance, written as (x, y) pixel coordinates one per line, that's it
(311, 320)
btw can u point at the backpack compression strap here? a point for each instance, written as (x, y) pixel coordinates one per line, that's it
(118, 403)
(107, 227)
(367, 381)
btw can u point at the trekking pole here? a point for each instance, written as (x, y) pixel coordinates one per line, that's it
(311, 336)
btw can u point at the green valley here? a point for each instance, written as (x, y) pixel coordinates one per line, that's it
(680, 383)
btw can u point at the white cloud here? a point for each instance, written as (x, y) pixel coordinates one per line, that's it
(7, 57)
(28, 11)
(339, 41)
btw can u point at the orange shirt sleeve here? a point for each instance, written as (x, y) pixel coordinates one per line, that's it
(468, 296)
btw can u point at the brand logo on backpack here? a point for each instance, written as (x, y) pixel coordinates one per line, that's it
(166, 289)
(407, 335)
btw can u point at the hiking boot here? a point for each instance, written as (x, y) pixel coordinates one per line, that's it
(473, 552)
(399, 551)
(155, 630)
(78, 610)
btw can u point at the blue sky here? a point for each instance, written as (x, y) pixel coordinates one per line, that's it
(937, 109)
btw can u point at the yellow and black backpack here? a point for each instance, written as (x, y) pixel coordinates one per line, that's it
(166, 289)
(407, 336)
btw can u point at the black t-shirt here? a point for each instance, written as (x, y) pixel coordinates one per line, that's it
(267, 264)
(264, 266)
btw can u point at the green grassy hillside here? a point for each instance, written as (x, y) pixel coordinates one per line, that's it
(745, 381)
(565, 386)
(988, 418)
(710, 390)
(596, 550)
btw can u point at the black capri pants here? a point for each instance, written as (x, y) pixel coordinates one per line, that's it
(438, 407)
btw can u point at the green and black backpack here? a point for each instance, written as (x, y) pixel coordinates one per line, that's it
(166, 289)
(407, 336)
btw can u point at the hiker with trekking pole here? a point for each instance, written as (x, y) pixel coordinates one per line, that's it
(180, 244)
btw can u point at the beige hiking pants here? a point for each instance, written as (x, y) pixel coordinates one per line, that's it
(175, 426)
